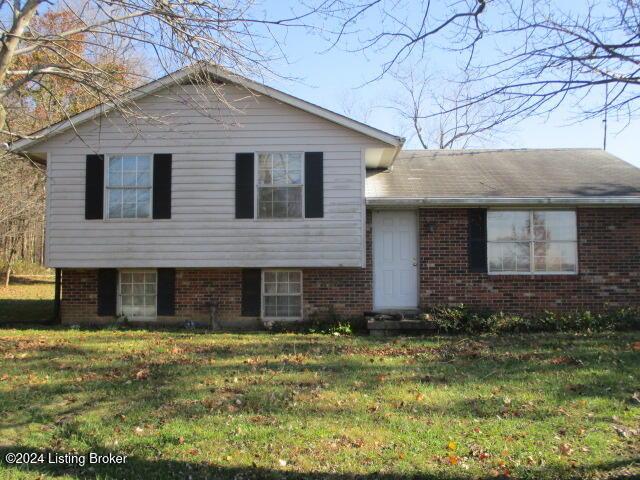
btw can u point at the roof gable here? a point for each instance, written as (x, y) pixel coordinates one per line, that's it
(26, 144)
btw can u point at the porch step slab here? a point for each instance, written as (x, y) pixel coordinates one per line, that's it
(383, 328)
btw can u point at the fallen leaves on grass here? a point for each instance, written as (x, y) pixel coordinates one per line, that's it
(142, 374)
(478, 452)
(453, 459)
(344, 441)
(566, 360)
(626, 432)
(465, 348)
(565, 449)
(11, 345)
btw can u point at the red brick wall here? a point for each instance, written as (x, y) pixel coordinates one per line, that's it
(79, 295)
(608, 264)
(198, 289)
(348, 290)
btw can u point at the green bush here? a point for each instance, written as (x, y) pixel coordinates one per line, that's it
(326, 322)
(462, 319)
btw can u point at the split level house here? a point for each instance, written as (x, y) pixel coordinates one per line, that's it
(242, 202)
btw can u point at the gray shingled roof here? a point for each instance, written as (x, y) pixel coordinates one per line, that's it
(573, 174)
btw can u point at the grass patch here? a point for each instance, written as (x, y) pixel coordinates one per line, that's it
(25, 267)
(27, 299)
(538, 406)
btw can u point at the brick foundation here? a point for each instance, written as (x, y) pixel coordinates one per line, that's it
(198, 289)
(79, 296)
(608, 264)
(609, 276)
(347, 290)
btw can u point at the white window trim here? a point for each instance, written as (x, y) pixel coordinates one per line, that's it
(531, 244)
(105, 193)
(256, 188)
(119, 302)
(262, 294)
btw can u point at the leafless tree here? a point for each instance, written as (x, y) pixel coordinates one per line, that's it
(173, 33)
(22, 198)
(454, 126)
(354, 106)
(528, 55)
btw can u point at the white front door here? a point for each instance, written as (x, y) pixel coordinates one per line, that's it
(395, 259)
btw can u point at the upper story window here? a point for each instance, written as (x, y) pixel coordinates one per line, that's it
(129, 186)
(280, 185)
(533, 241)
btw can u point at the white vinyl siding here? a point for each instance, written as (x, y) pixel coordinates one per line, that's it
(203, 230)
(532, 242)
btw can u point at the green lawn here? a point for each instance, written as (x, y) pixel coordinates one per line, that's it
(200, 405)
(27, 299)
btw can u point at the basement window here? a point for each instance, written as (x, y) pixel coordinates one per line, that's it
(137, 295)
(282, 294)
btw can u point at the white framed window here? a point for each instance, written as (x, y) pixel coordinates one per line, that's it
(282, 294)
(280, 185)
(129, 186)
(532, 242)
(137, 294)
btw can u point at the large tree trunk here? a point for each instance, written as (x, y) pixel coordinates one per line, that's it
(10, 42)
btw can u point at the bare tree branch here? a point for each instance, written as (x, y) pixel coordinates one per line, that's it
(530, 56)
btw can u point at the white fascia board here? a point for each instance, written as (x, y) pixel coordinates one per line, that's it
(501, 201)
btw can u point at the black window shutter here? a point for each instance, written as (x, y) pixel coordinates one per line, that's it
(166, 291)
(250, 305)
(162, 185)
(477, 239)
(313, 185)
(94, 187)
(244, 185)
(107, 291)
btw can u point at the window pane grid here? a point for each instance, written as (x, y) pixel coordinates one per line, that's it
(280, 185)
(129, 186)
(282, 294)
(138, 294)
(532, 242)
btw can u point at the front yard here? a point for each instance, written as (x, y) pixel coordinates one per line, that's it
(27, 299)
(198, 405)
